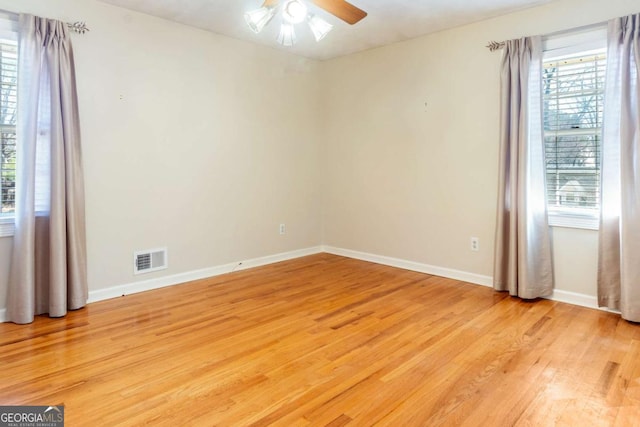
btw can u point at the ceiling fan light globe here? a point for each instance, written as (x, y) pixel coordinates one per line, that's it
(257, 19)
(294, 11)
(287, 36)
(319, 27)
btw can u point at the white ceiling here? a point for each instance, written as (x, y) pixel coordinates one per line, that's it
(389, 21)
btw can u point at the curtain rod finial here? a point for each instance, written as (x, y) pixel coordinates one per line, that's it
(493, 46)
(78, 27)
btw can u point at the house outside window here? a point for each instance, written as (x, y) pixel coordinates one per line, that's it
(573, 78)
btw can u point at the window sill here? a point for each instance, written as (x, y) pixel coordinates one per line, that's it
(584, 222)
(7, 227)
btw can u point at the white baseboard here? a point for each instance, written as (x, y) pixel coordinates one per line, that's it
(161, 282)
(176, 279)
(568, 297)
(464, 276)
(575, 298)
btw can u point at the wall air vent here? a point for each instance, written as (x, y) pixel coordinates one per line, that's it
(150, 260)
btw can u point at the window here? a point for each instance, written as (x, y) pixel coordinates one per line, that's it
(8, 109)
(573, 100)
(8, 96)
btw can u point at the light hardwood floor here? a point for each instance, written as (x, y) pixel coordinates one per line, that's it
(327, 341)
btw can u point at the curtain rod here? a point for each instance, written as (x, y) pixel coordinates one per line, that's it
(493, 45)
(78, 27)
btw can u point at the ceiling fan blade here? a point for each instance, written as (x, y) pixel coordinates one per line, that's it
(341, 9)
(268, 3)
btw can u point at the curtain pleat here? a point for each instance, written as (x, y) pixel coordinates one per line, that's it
(619, 244)
(523, 261)
(48, 269)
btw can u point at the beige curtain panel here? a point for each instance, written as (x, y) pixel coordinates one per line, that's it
(523, 263)
(619, 252)
(48, 269)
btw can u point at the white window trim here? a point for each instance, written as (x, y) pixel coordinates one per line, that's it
(573, 219)
(583, 40)
(9, 25)
(7, 225)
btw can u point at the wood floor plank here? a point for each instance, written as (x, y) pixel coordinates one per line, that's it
(327, 341)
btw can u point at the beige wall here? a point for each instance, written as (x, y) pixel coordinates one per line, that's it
(205, 144)
(191, 140)
(412, 144)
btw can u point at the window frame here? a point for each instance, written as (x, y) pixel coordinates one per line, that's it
(8, 31)
(575, 42)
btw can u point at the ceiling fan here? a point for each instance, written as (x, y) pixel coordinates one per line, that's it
(295, 12)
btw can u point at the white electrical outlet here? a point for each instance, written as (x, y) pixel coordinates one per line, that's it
(475, 244)
(281, 228)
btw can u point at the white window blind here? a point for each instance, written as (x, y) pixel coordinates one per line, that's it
(8, 110)
(573, 99)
